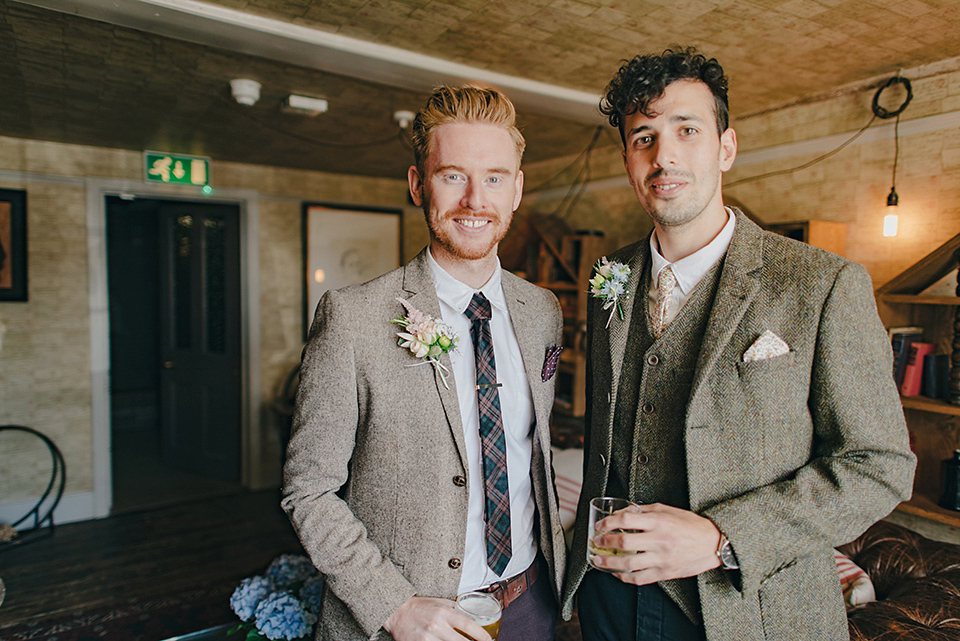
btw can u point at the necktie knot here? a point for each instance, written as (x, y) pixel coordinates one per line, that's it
(479, 308)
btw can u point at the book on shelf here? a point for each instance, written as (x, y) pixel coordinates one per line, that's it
(900, 341)
(936, 376)
(913, 372)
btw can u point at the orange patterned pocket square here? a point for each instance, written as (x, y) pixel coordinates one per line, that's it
(767, 346)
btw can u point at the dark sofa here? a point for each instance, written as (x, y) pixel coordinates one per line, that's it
(917, 581)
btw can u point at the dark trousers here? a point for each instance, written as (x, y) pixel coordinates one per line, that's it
(610, 610)
(533, 616)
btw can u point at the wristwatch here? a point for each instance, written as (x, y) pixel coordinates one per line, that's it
(725, 553)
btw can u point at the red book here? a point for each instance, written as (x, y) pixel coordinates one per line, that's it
(913, 373)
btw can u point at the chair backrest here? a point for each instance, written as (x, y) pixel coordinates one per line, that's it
(42, 511)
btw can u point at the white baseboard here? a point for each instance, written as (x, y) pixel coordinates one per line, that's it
(72, 507)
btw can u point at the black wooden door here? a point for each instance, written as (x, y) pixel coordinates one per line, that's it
(200, 351)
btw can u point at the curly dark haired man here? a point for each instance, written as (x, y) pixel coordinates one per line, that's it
(744, 403)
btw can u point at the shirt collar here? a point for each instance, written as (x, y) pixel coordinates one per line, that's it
(457, 294)
(690, 269)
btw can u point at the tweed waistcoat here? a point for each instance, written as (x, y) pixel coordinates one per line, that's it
(648, 462)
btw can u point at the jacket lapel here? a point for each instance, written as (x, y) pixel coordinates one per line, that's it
(617, 330)
(527, 326)
(735, 291)
(422, 293)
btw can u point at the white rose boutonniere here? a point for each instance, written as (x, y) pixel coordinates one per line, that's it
(609, 284)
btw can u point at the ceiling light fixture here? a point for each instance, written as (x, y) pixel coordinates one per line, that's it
(403, 117)
(305, 105)
(245, 91)
(891, 220)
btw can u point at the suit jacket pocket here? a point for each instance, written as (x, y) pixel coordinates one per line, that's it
(775, 388)
(803, 601)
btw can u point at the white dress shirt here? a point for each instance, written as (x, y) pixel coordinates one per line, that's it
(688, 270)
(516, 406)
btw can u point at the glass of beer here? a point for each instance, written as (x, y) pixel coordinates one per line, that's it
(482, 608)
(600, 508)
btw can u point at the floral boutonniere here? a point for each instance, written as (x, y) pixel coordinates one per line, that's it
(609, 284)
(426, 338)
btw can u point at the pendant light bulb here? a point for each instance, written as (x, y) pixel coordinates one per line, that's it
(892, 198)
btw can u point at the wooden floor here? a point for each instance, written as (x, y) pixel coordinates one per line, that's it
(154, 553)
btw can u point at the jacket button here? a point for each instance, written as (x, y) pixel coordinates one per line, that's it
(459, 481)
(609, 397)
(454, 563)
(647, 408)
(653, 359)
(603, 460)
(642, 458)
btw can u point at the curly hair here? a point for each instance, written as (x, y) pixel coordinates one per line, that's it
(466, 103)
(643, 80)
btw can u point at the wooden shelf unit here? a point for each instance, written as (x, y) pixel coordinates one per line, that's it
(934, 424)
(566, 270)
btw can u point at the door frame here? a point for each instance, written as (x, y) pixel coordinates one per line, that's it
(250, 427)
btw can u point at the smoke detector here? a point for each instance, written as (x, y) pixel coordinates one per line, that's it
(245, 91)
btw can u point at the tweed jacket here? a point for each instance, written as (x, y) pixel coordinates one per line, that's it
(789, 456)
(375, 481)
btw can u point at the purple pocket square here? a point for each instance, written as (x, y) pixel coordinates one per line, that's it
(550, 363)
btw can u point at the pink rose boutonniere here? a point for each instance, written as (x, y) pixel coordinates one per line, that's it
(426, 337)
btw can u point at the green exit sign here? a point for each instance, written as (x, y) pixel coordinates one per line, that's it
(178, 170)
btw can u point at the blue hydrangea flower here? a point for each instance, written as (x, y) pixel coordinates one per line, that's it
(282, 616)
(312, 592)
(248, 594)
(287, 569)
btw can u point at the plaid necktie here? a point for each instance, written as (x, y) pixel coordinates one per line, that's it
(493, 447)
(665, 287)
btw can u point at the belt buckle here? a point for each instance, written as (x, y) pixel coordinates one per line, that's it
(498, 591)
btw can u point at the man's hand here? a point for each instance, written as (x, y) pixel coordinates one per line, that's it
(426, 619)
(671, 544)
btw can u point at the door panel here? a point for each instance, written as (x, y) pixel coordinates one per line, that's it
(200, 338)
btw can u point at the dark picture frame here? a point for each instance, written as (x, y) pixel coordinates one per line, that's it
(335, 233)
(13, 245)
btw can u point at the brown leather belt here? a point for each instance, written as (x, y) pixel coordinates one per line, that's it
(509, 590)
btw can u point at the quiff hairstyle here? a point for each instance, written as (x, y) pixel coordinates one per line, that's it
(464, 104)
(643, 80)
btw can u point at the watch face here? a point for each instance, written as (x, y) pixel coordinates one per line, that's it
(727, 557)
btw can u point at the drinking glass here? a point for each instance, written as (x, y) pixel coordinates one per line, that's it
(600, 508)
(482, 608)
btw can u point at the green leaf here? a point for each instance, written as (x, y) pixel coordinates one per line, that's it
(254, 635)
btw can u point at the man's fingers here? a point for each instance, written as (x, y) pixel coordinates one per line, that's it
(472, 629)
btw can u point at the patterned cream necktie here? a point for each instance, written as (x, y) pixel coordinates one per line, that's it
(665, 286)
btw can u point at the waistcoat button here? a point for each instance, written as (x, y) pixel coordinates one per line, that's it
(653, 359)
(454, 563)
(647, 408)
(642, 458)
(459, 481)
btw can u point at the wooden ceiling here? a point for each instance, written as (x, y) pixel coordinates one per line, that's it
(128, 75)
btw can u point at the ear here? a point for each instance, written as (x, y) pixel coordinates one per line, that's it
(728, 149)
(626, 167)
(519, 194)
(416, 185)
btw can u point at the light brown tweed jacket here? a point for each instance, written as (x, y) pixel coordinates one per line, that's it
(372, 482)
(789, 456)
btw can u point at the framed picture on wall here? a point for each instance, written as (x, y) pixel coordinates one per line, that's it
(13, 245)
(346, 245)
